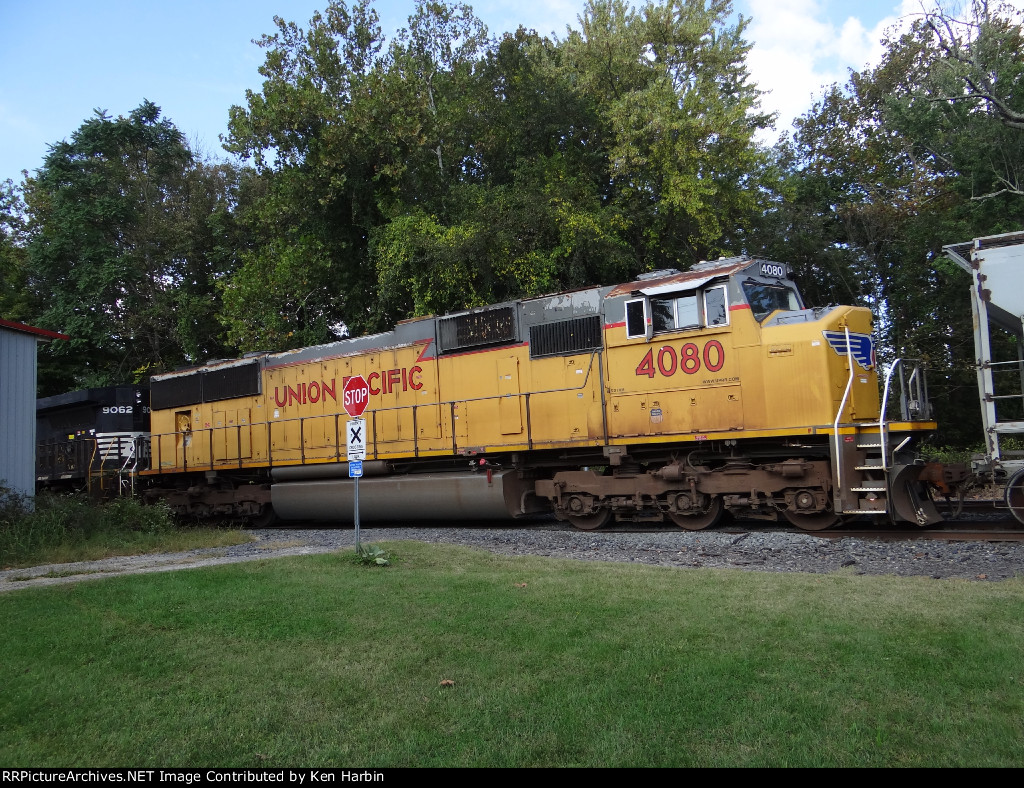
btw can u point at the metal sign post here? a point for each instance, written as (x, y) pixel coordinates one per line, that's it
(355, 470)
(355, 441)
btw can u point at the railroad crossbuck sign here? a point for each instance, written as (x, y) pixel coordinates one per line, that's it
(356, 395)
(356, 439)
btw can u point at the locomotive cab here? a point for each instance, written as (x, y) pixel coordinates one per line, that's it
(727, 393)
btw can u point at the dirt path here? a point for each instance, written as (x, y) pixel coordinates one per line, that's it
(57, 574)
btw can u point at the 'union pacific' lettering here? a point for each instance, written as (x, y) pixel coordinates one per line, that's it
(386, 382)
(305, 393)
(392, 380)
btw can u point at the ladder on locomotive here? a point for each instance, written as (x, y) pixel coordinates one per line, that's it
(872, 477)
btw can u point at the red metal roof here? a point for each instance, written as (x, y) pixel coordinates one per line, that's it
(39, 332)
(702, 272)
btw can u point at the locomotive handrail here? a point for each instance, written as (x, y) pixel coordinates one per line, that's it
(882, 421)
(451, 404)
(839, 416)
(88, 469)
(124, 470)
(915, 379)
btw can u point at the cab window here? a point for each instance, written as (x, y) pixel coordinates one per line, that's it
(683, 311)
(716, 307)
(636, 318)
(765, 298)
(675, 313)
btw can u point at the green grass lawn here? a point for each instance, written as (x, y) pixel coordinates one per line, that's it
(320, 661)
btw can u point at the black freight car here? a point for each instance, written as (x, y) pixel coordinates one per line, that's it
(95, 439)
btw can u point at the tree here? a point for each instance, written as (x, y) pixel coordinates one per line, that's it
(433, 59)
(445, 169)
(127, 236)
(678, 118)
(325, 137)
(970, 100)
(15, 301)
(885, 170)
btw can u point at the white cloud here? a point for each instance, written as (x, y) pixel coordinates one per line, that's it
(790, 57)
(797, 50)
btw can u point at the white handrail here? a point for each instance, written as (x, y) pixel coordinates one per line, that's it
(839, 415)
(881, 414)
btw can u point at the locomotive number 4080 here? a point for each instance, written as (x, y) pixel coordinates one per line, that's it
(689, 359)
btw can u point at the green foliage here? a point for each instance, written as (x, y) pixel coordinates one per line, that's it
(951, 454)
(57, 520)
(372, 555)
(965, 109)
(445, 170)
(14, 507)
(128, 234)
(16, 302)
(334, 133)
(678, 117)
(543, 232)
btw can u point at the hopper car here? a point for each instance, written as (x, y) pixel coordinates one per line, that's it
(995, 264)
(676, 397)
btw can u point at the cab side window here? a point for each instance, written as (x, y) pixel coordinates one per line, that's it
(685, 311)
(675, 312)
(716, 307)
(636, 318)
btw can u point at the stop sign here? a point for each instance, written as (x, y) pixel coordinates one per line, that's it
(356, 395)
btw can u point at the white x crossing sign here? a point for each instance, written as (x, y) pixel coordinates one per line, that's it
(355, 431)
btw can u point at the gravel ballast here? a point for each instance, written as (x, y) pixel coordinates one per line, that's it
(765, 551)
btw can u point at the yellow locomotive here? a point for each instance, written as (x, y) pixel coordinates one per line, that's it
(678, 396)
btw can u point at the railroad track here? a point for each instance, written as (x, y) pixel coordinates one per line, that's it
(980, 521)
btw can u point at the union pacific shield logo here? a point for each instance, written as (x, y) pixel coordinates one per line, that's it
(861, 346)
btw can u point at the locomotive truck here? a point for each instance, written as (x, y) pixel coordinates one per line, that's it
(677, 396)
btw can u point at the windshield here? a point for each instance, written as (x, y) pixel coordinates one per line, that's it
(765, 299)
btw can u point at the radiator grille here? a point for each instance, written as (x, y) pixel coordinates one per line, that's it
(242, 380)
(177, 391)
(495, 326)
(566, 337)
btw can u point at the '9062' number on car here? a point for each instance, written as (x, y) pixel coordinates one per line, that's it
(689, 359)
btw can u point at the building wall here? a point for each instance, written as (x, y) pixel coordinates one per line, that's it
(17, 410)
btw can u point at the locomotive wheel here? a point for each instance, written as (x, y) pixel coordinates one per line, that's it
(698, 522)
(816, 521)
(266, 518)
(590, 522)
(1014, 496)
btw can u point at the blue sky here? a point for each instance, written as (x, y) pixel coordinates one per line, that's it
(61, 59)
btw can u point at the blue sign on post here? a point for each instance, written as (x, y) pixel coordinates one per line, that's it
(355, 468)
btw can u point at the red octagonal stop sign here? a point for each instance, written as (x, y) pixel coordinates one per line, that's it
(356, 395)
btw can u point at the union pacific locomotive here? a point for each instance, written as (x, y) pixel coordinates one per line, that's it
(678, 396)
